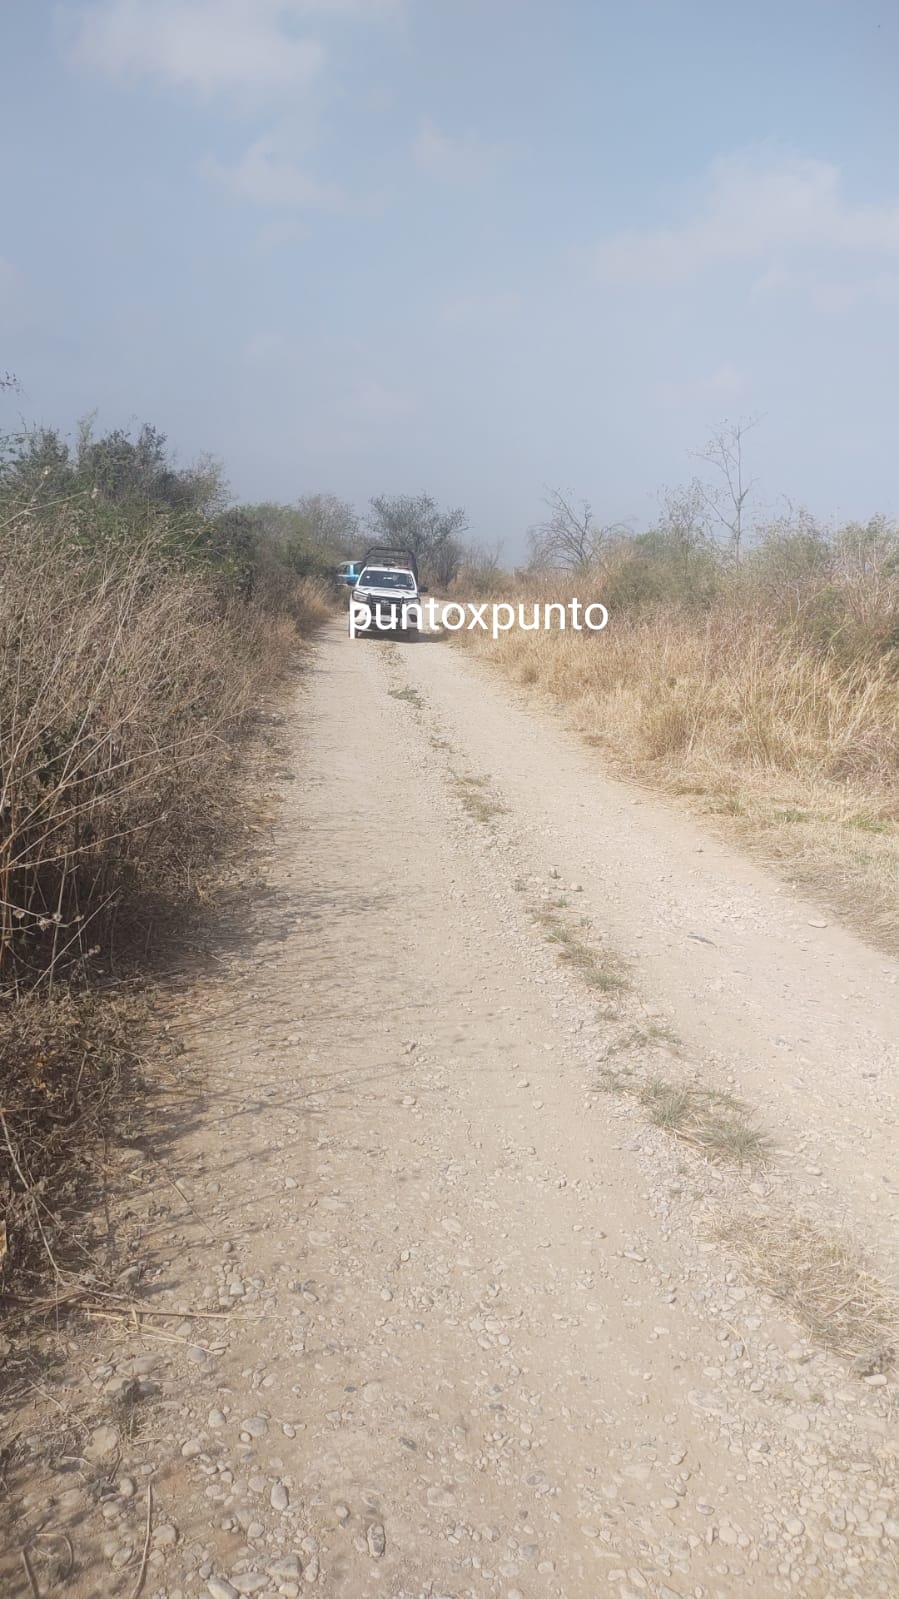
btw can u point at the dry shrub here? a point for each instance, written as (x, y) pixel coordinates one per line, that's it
(67, 1071)
(126, 678)
(122, 687)
(311, 603)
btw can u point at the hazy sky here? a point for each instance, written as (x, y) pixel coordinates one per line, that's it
(469, 246)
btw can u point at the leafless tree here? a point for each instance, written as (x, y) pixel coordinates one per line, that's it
(726, 496)
(570, 539)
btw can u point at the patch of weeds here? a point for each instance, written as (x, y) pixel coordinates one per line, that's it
(409, 694)
(611, 1082)
(821, 1281)
(658, 1033)
(476, 799)
(792, 815)
(642, 1038)
(573, 949)
(716, 1123)
(688, 788)
(869, 824)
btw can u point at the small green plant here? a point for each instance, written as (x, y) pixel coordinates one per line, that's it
(870, 824)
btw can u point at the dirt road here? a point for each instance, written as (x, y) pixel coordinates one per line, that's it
(481, 1335)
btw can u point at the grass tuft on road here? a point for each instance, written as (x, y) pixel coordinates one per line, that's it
(409, 694)
(477, 800)
(716, 1123)
(599, 971)
(823, 1283)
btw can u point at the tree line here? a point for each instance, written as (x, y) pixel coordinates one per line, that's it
(709, 527)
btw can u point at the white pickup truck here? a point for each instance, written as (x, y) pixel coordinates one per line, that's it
(387, 594)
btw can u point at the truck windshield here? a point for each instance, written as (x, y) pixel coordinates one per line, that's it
(374, 578)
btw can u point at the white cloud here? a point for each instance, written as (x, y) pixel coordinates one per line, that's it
(755, 207)
(204, 45)
(267, 175)
(454, 160)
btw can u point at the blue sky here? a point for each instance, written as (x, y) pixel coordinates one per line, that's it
(475, 247)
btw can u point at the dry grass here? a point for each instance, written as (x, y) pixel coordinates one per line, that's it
(477, 801)
(643, 1037)
(821, 1282)
(601, 971)
(718, 1124)
(795, 746)
(308, 603)
(68, 1070)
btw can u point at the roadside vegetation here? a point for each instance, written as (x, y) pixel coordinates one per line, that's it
(751, 667)
(142, 618)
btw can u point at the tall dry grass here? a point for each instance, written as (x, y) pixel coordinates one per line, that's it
(775, 709)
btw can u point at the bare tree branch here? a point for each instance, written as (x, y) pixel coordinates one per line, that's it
(726, 497)
(569, 538)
